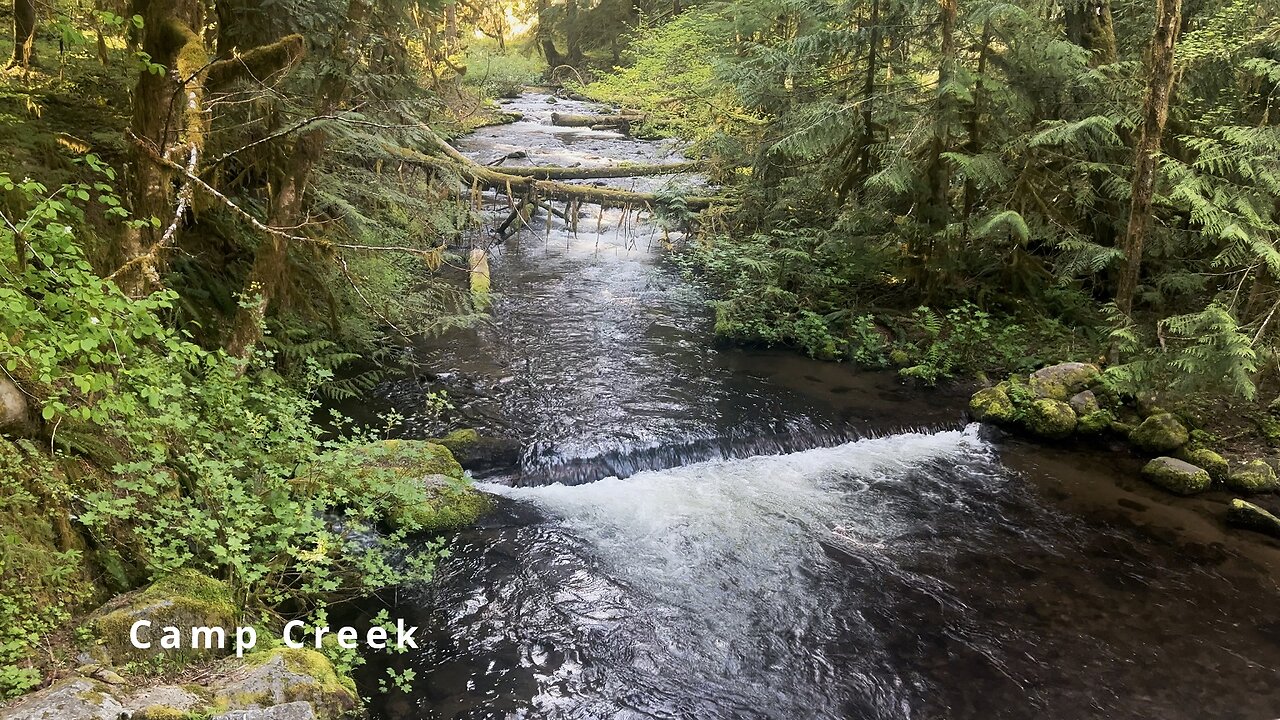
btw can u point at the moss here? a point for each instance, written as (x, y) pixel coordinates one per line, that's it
(287, 675)
(1177, 476)
(162, 712)
(1254, 476)
(182, 599)
(1203, 457)
(1244, 514)
(1095, 423)
(1051, 419)
(443, 506)
(991, 405)
(1160, 433)
(459, 441)
(1268, 428)
(1059, 382)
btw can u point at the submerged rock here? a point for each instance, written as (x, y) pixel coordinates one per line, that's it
(183, 599)
(1059, 382)
(1254, 476)
(1160, 433)
(285, 675)
(1051, 419)
(991, 405)
(1177, 476)
(74, 699)
(1212, 462)
(1244, 514)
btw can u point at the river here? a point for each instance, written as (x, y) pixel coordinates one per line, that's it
(696, 531)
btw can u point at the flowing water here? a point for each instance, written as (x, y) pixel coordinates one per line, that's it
(690, 531)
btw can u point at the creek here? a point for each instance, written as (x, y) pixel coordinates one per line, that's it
(694, 531)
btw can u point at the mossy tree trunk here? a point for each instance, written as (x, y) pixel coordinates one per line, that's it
(268, 274)
(1155, 112)
(24, 33)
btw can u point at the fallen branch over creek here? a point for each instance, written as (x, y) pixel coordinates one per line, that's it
(537, 183)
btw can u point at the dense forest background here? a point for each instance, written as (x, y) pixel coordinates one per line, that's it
(219, 215)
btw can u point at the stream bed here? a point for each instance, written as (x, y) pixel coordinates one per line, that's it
(695, 531)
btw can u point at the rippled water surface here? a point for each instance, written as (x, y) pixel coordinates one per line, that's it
(692, 531)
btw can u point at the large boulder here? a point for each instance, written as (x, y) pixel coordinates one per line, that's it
(991, 405)
(183, 599)
(13, 405)
(285, 675)
(1051, 419)
(73, 699)
(1159, 434)
(1059, 382)
(1254, 476)
(165, 702)
(1244, 514)
(1177, 476)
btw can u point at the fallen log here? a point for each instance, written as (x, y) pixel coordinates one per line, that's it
(480, 176)
(572, 120)
(597, 173)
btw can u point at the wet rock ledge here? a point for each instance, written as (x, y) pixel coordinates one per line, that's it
(1071, 400)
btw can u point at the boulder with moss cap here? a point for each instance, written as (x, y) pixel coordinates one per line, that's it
(1244, 514)
(480, 453)
(1177, 476)
(1061, 381)
(1254, 476)
(183, 599)
(1095, 423)
(1203, 457)
(1052, 419)
(286, 675)
(1160, 434)
(992, 405)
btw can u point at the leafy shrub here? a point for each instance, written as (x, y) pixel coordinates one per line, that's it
(203, 449)
(500, 73)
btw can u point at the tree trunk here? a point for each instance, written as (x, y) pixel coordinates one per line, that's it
(24, 33)
(1089, 25)
(451, 28)
(1155, 111)
(939, 211)
(573, 36)
(975, 119)
(268, 274)
(862, 166)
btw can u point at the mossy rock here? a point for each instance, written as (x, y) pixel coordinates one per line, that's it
(416, 485)
(478, 452)
(992, 405)
(1254, 476)
(1049, 418)
(183, 599)
(1122, 429)
(1244, 514)
(1159, 434)
(1061, 381)
(1203, 457)
(162, 712)
(1177, 476)
(1268, 428)
(1084, 403)
(286, 675)
(1095, 423)
(71, 699)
